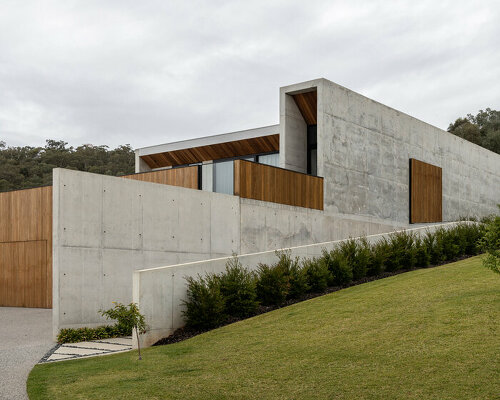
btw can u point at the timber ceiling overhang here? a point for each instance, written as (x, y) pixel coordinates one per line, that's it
(237, 148)
(308, 105)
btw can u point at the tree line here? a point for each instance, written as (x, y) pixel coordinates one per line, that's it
(27, 167)
(482, 129)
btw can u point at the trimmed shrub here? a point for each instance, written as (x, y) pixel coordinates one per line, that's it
(318, 275)
(469, 235)
(490, 244)
(357, 254)
(237, 287)
(75, 335)
(379, 253)
(205, 304)
(434, 248)
(421, 254)
(448, 242)
(401, 251)
(272, 284)
(297, 278)
(340, 269)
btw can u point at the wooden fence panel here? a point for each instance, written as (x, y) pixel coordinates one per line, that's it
(277, 185)
(426, 192)
(186, 177)
(26, 248)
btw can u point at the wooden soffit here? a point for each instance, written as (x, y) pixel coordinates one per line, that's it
(263, 144)
(308, 106)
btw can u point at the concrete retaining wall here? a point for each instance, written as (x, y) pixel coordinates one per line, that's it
(159, 292)
(105, 228)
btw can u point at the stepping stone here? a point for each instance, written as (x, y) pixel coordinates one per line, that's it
(127, 341)
(59, 357)
(78, 351)
(101, 346)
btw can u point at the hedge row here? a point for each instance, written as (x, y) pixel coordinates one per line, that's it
(75, 335)
(126, 317)
(215, 299)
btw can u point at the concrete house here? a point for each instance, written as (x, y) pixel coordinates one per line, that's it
(337, 165)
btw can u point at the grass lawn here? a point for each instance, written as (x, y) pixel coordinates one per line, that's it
(426, 334)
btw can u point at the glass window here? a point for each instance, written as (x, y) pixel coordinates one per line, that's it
(223, 177)
(314, 163)
(312, 152)
(270, 159)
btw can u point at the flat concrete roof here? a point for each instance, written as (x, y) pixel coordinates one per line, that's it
(209, 140)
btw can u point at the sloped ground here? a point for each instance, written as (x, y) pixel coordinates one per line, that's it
(427, 334)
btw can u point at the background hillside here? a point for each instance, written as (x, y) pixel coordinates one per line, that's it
(26, 167)
(482, 129)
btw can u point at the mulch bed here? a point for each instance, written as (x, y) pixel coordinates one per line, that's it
(186, 333)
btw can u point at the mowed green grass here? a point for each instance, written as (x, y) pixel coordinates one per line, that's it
(427, 334)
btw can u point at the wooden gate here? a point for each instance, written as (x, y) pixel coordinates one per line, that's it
(26, 248)
(24, 276)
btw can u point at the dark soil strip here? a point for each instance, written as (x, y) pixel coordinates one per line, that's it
(186, 333)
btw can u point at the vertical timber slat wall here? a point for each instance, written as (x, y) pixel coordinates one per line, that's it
(277, 185)
(426, 192)
(26, 248)
(186, 177)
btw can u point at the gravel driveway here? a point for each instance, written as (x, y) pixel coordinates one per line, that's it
(25, 337)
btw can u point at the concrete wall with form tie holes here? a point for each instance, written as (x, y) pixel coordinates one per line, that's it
(105, 228)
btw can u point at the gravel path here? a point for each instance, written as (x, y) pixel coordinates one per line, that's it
(25, 337)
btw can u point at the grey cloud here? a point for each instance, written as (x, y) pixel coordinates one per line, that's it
(154, 71)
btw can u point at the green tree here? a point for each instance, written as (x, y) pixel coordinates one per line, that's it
(127, 318)
(482, 129)
(490, 244)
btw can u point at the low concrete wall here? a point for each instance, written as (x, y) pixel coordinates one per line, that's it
(159, 292)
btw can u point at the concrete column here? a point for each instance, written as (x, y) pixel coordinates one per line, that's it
(293, 135)
(140, 164)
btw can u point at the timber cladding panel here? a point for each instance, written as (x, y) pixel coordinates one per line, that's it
(426, 192)
(186, 177)
(26, 248)
(277, 185)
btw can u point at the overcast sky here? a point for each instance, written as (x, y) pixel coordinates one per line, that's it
(150, 72)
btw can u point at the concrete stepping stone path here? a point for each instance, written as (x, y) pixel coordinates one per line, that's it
(71, 351)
